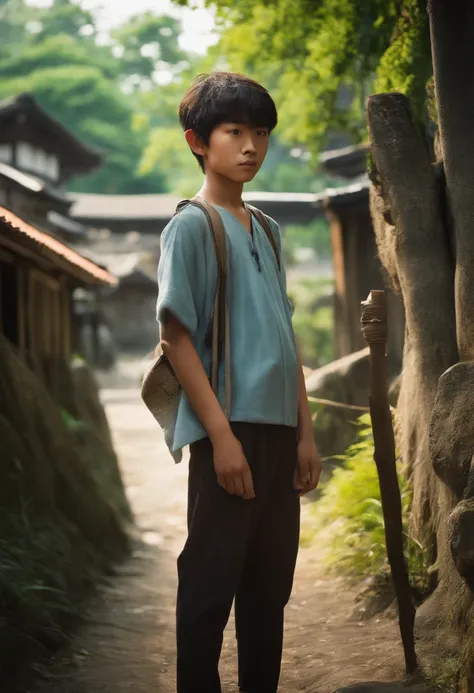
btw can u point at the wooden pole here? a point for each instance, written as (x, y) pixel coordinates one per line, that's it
(374, 328)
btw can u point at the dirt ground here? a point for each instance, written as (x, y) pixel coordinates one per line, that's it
(127, 643)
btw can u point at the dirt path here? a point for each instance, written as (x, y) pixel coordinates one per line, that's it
(128, 642)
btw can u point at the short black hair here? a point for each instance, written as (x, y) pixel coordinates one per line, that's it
(222, 97)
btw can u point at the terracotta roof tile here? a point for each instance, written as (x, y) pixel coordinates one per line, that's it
(57, 248)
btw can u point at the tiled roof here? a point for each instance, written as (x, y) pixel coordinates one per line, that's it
(69, 259)
(84, 156)
(348, 162)
(89, 206)
(110, 207)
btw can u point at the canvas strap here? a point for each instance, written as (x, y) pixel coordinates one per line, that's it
(220, 323)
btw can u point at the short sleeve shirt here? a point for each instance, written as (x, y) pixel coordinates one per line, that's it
(264, 366)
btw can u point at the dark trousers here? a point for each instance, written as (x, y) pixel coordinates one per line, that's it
(242, 549)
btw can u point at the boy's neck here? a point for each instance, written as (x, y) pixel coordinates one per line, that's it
(222, 192)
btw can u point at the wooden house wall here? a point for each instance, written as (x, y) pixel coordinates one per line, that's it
(35, 312)
(357, 270)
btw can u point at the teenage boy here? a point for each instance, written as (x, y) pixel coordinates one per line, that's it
(246, 474)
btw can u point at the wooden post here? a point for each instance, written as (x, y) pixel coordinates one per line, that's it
(374, 328)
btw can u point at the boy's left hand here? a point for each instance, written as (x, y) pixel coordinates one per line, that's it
(308, 470)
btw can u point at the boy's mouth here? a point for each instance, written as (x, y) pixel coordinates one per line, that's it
(248, 163)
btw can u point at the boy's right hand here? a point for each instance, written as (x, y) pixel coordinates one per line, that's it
(232, 469)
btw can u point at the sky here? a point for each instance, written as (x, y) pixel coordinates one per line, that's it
(197, 24)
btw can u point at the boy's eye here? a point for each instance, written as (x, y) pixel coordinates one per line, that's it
(262, 133)
(235, 131)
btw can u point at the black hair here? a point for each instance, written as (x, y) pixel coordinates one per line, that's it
(222, 97)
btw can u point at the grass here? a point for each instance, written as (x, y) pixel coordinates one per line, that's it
(446, 675)
(348, 518)
(46, 570)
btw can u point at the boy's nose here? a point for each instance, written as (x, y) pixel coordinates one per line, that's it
(249, 147)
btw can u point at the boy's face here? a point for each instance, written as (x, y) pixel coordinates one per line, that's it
(236, 151)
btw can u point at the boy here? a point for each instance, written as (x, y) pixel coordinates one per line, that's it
(246, 474)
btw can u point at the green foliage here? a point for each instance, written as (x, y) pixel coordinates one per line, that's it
(314, 330)
(108, 94)
(445, 673)
(143, 41)
(64, 18)
(406, 64)
(316, 236)
(46, 570)
(351, 511)
(168, 146)
(72, 423)
(319, 58)
(14, 14)
(56, 54)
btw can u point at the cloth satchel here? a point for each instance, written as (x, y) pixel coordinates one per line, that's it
(160, 388)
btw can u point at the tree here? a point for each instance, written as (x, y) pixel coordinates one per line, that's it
(419, 204)
(320, 58)
(64, 17)
(144, 43)
(54, 52)
(14, 14)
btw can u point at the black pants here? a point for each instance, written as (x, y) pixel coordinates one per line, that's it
(238, 548)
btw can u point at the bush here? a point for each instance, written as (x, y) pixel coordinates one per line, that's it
(350, 508)
(316, 235)
(314, 330)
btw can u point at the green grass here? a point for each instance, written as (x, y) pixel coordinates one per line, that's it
(46, 570)
(350, 511)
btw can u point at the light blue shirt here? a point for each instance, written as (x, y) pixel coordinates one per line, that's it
(264, 366)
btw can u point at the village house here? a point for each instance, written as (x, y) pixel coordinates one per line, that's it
(38, 156)
(49, 293)
(357, 267)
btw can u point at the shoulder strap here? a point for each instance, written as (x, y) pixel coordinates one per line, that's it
(219, 327)
(216, 226)
(262, 219)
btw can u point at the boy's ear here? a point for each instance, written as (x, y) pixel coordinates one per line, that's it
(195, 142)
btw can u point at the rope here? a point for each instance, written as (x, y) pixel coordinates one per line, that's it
(374, 323)
(338, 405)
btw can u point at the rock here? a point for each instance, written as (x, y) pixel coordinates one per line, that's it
(53, 472)
(461, 539)
(347, 381)
(438, 637)
(451, 434)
